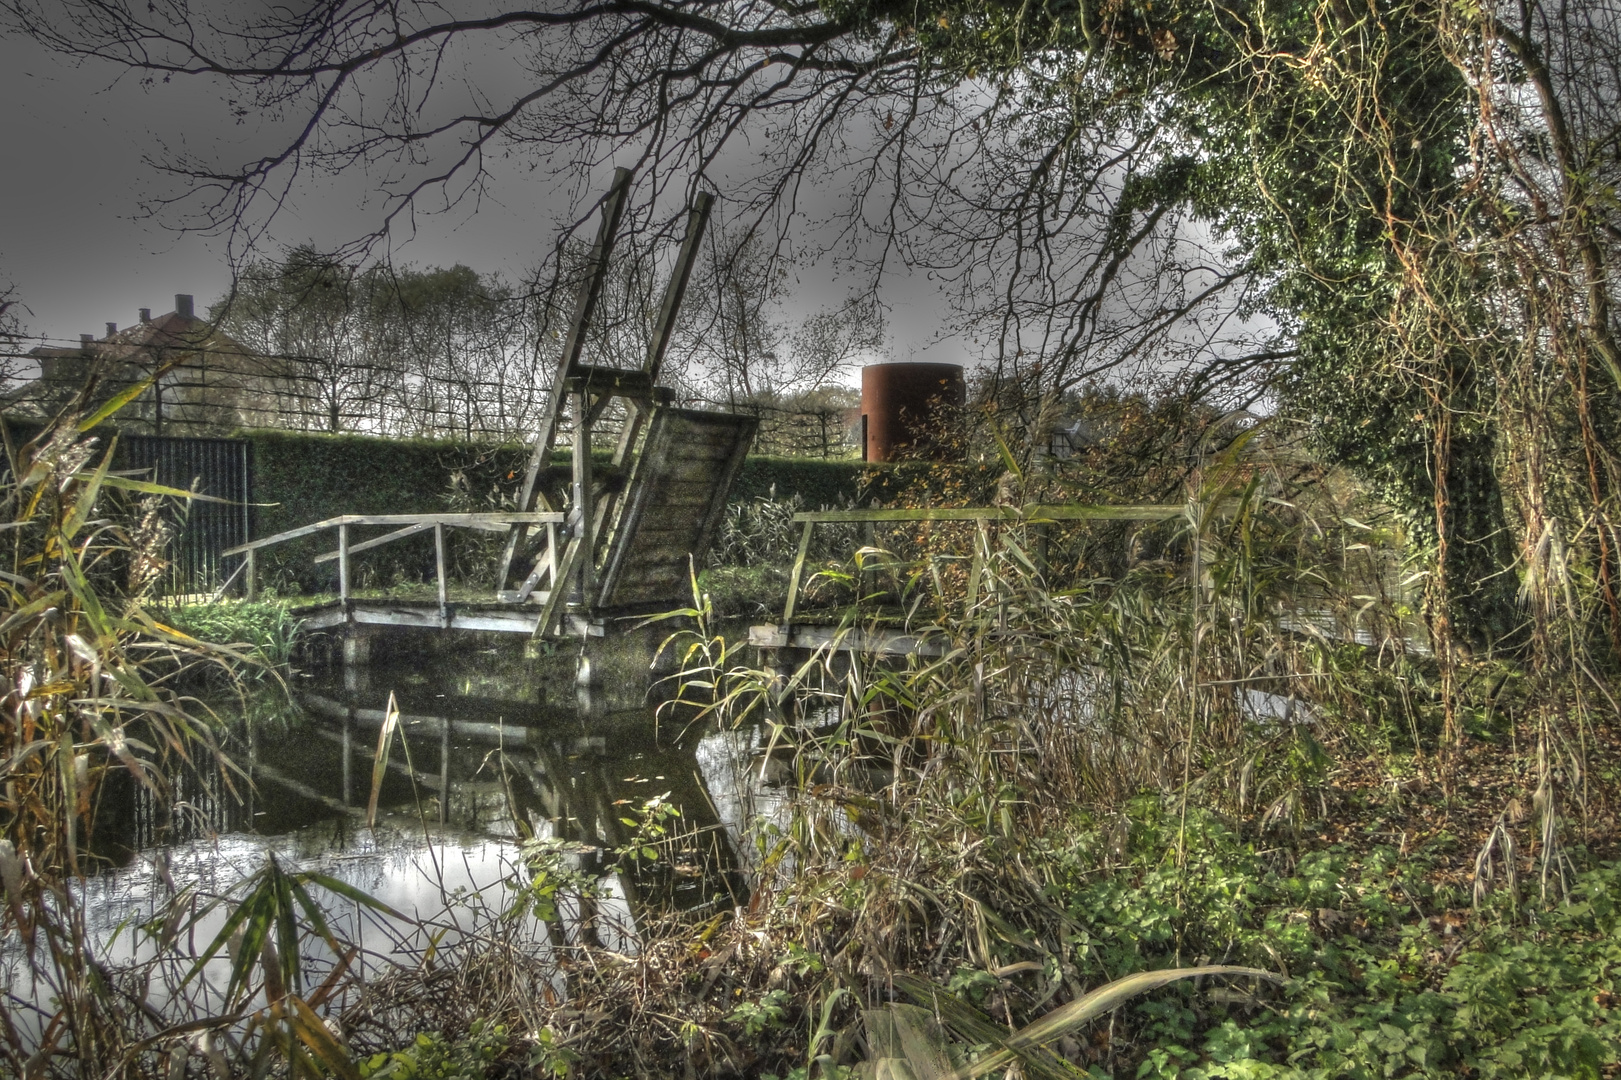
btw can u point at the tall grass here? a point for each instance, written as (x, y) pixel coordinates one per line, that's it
(953, 811)
(89, 677)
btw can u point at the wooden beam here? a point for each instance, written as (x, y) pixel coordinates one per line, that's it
(632, 383)
(362, 612)
(439, 567)
(977, 567)
(585, 302)
(551, 610)
(799, 572)
(584, 510)
(873, 641)
(675, 291)
(343, 562)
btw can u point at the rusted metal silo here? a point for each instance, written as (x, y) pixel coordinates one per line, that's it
(906, 408)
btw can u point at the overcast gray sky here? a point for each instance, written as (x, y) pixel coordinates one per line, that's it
(80, 253)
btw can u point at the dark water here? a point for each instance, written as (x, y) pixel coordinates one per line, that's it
(491, 749)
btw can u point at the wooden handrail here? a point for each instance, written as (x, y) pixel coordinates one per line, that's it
(410, 525)
(1035, 512)
(1031, 514)
(471, 521)
(386, 538)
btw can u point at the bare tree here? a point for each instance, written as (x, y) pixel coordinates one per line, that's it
(1049, 204)
(12, 335)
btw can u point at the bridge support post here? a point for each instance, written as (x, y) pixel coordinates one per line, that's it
(356, 647)
(584, 510)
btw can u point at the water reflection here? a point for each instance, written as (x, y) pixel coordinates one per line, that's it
(490, 750)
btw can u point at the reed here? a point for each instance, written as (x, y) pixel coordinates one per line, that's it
(91, 676)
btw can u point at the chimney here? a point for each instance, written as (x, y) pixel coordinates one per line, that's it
(146, 314)
(86, 340)
(112, 328)
(183, 305)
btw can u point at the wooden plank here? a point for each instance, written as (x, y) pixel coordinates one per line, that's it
(513, 620)
(977, 568)
(290, 534)
(649, 538)
(439, 568)
(696, 470)
(343, 562)
(552, 608)
(659, 575)
(665, 578)
(609, 382)
(879, 642)
(676, 493)
(583, 512)
(742, 439)
(639, 495)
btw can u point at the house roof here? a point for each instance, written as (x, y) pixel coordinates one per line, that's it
(172, 331)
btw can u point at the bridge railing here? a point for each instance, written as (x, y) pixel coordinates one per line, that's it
(405, 525)
(982, 516)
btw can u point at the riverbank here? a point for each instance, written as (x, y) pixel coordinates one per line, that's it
(1419, 928)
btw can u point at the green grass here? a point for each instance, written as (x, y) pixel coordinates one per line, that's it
(266, 627)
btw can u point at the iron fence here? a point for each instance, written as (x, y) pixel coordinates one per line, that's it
(220, 468)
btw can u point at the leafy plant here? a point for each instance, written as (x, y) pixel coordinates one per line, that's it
(762, 1015)
(431, 1056)
(265, 630)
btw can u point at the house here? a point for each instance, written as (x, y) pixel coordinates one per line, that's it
(211, 384)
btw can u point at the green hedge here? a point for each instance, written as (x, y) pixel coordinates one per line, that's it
(819, 483)
(302, 477)
(307, 477)
(311, 476)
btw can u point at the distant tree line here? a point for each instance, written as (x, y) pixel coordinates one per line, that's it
(410, 351)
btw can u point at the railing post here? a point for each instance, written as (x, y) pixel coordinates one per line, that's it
(551, 551)
(343, 562)
(439, 565)
(799, 572)
(252, 572)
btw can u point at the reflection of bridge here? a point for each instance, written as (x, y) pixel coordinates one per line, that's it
(497, 767)
(620, 544)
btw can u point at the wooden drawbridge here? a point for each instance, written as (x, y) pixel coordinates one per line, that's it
(613, 550)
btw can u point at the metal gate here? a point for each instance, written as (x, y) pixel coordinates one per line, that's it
(218, 467)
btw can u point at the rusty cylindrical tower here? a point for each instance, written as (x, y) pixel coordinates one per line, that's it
(905, 409)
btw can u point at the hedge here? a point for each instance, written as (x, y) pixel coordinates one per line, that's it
(307, 477)
(313, 476)
(818, 482)
(302, 477)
